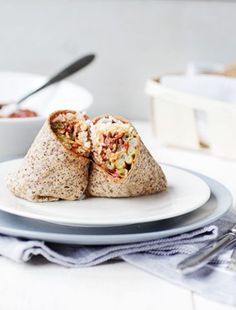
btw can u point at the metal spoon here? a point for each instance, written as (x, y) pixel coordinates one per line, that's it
(66, 72)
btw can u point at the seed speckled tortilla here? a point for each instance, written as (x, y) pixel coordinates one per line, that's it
(50, 172)
(145, 177)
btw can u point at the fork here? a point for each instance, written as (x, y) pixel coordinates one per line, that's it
(231, 266)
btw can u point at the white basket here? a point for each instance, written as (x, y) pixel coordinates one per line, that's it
(175, 120)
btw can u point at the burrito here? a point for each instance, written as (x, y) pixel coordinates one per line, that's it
(57, 164)
(121, 164)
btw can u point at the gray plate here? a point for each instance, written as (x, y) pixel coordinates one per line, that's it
(218, 204)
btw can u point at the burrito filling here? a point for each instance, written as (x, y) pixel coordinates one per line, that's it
(114, 145)
(72, 131)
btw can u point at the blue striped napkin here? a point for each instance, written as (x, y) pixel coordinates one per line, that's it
(159, 257)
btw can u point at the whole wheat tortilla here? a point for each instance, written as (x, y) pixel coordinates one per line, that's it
(145, 177)
(50, 171)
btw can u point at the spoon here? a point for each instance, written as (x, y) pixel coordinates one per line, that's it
(6, 108)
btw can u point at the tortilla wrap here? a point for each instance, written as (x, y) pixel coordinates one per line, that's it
(50, 171)
(144, 177)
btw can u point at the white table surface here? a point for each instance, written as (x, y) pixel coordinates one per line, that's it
(44, 286)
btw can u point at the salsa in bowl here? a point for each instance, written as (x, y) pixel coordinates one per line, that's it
(21, 126)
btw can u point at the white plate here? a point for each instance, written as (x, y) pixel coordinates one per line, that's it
(217, 205)
(186, 192)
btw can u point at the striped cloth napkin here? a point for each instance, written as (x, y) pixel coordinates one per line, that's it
(159, 257)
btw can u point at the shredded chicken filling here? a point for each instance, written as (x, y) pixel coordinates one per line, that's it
(72, 130)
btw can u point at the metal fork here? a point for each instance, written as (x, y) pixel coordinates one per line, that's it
(231, 266)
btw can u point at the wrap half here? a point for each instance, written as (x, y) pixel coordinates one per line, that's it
(56, 166)
(122, 166)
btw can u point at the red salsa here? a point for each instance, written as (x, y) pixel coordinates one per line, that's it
(21, 113)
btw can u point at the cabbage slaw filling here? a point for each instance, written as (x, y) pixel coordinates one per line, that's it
(72, 130)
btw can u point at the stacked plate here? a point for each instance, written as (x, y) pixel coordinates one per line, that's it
(192, 201)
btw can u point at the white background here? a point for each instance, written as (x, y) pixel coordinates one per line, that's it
(134, 40)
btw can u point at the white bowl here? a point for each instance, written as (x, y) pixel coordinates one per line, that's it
(16, 135)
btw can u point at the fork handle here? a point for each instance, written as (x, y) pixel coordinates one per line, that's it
(204, 255)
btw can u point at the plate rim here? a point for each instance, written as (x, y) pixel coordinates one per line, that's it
(67, 238)
(123, 222)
